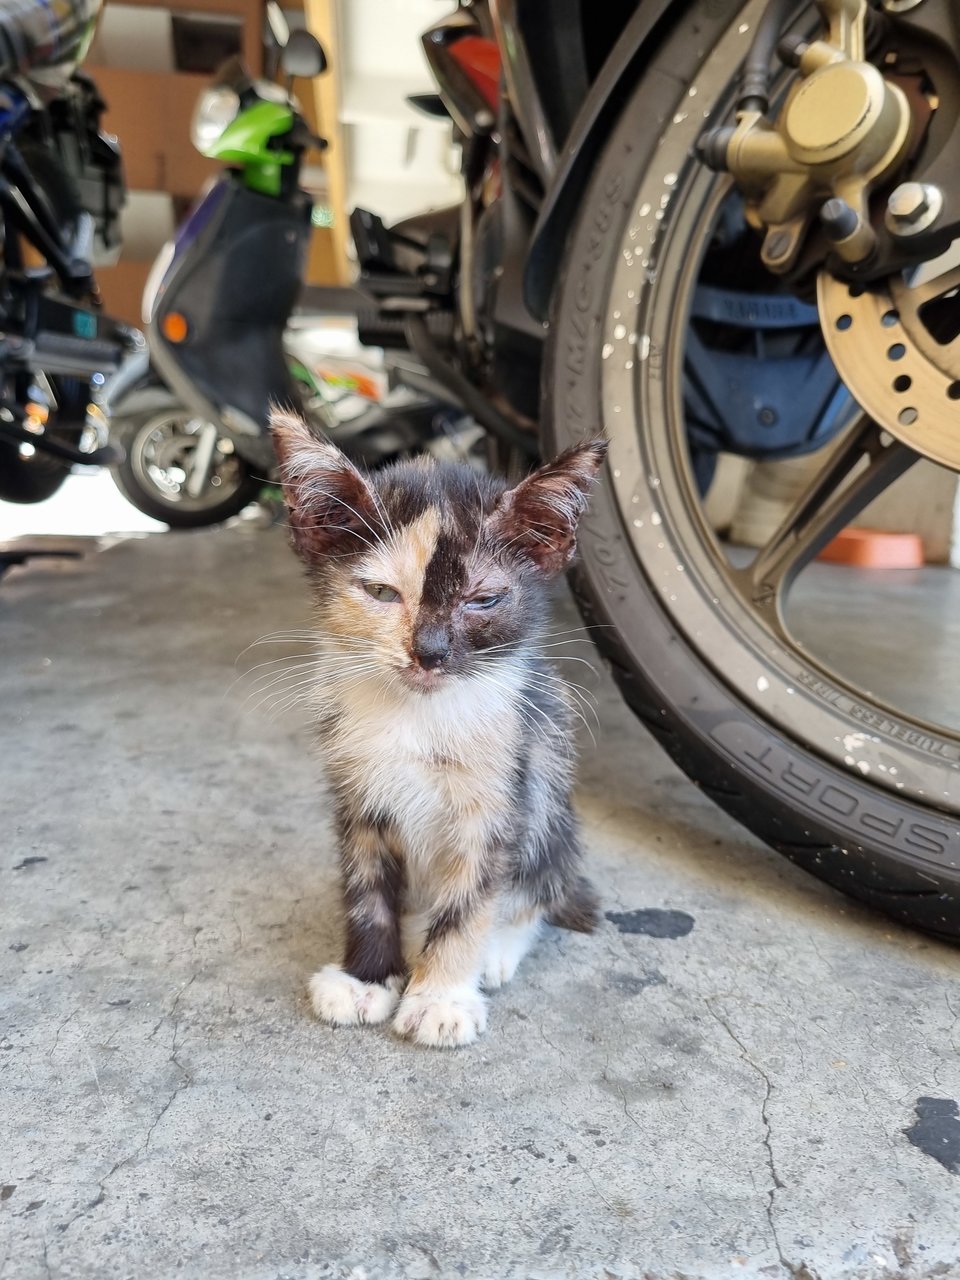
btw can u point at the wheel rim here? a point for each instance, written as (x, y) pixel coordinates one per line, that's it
(733, 617)
(161, 456)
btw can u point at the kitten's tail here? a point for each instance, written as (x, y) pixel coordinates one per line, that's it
(579, 910)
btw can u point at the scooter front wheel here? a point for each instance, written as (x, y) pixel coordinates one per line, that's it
(180, 469)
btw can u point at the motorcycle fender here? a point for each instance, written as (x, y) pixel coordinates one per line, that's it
(624, 66)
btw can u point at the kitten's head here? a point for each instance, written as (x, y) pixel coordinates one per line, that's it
(429, 569)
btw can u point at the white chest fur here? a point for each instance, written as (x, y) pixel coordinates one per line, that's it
(440, 765)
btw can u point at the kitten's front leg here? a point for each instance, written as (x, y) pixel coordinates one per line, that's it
(442, 1005)
(366, 989)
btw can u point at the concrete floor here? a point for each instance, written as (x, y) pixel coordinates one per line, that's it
(730, 1099)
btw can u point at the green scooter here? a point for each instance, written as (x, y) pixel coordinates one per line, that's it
(220, 296)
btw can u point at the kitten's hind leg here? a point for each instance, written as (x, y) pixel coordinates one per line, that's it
(367, 988)
(578, 909)
(516, 933)
(511, 939)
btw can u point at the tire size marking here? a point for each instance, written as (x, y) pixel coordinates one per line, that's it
(605, 555)
(838, 806)
(584, 321)
(880, 723)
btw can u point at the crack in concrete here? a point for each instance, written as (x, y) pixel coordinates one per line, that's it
(956, 1019)
(797, 1271)
(143, 1146)
(56, 1038)
(139, 1150)
(558, 1051)
(623, 1098)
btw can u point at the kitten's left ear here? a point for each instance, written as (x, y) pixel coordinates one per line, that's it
(539, 517)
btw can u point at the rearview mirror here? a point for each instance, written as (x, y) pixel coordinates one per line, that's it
(277, 22)
(303, 55)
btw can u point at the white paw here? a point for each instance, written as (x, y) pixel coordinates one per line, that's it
(442, 1019)
(346, 1001)
(506, 947)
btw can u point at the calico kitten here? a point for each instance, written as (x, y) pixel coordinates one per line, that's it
(447, 738)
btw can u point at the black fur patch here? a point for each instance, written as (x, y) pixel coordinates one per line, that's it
(407, 489)
(445, 576)
(449, 920)
(373, 950)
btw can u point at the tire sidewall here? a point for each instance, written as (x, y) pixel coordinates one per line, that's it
(126, 433)
(860, 836)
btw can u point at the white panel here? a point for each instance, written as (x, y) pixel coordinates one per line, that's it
(395, 172)
(147, 223)
(138, 38)
(383, 100)
(382, 38)
(398, 161)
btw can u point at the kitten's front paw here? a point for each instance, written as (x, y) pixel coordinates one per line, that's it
(346, 1001)
(442, 1019)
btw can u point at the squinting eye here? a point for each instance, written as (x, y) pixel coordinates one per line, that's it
(380, 591)
(484, 602)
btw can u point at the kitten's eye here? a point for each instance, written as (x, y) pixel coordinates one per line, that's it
(486, 601)
(380, 591)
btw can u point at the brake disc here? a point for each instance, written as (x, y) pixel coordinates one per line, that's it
(896, 345)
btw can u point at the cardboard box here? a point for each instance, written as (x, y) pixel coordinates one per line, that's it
(122, 290)
(150, 113)
(322, 258)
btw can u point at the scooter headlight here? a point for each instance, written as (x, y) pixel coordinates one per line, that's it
(215, 109)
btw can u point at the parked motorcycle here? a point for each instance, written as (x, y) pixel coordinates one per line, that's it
(61, 190)
(187, 471)
(703, 228)
(222, 341)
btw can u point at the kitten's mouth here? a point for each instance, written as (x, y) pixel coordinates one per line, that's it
(423, 679)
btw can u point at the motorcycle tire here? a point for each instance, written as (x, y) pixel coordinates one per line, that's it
(739, 718)
(131, 478)
(27, 480)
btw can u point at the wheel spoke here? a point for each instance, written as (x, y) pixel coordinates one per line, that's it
(840, 491)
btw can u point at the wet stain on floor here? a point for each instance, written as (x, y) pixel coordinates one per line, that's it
(631, 984)
(936, 1131)
(655, 922)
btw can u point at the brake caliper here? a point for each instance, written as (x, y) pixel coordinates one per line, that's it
(842, 130)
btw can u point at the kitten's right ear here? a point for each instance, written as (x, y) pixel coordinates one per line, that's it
(332, 508)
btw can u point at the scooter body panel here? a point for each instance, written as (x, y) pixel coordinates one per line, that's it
(218, 318)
